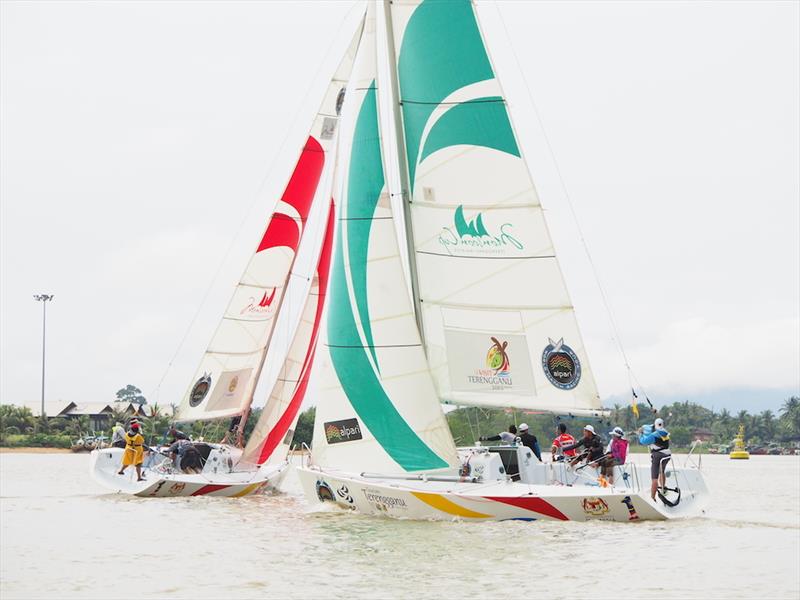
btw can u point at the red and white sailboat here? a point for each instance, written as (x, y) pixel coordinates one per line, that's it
(226, 379)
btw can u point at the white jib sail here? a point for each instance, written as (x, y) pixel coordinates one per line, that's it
(498, 322)
(377, 408)
(225, 381)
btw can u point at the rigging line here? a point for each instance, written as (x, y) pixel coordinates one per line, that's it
(245, 218)
(563, 185)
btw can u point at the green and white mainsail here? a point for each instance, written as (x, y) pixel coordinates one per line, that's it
(498, 324)
(378, 407)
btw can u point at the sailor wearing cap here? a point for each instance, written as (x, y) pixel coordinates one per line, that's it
(616, 453)
(657, 437)
(592, 444)
(134, 451)
(529, 440)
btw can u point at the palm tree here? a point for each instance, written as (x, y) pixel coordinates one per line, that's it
(790, 416)
(768, 425)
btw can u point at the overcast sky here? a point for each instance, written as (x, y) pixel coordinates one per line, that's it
(136, 138)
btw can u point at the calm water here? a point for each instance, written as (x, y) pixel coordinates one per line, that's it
(62, 535)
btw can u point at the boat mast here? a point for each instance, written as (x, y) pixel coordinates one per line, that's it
(402, 163)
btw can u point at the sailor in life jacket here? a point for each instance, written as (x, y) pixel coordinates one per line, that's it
(562, 439)
(656, 437)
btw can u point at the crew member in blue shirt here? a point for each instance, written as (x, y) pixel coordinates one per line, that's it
(657, 437)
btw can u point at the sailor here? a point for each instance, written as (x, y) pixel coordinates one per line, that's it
(592, 443)
(616, 453)
(233, 430)
(507, 437)
(562, 439)
(657, 437)
(118, 436)
(176, 434)
(185, 456)
(529, 440)
(134, 451)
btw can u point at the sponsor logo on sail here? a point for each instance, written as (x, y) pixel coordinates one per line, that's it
(472, 237)
(200, 390)
(595, 507)
(260, 307)
(346, 430)
(497, 369)
(561, 365)
(233, 383)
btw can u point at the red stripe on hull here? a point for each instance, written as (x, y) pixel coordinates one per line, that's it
(299, 193)
(276, 435)
(533, 504)
(207, 489)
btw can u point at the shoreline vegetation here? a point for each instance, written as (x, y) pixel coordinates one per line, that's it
(686, 422)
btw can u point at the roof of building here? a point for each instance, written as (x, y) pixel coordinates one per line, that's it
(97, 408)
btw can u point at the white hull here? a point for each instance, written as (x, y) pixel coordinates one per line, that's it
(562, 494)
(162, 480)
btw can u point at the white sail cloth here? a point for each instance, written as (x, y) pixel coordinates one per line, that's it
(225, 380)
(377, 407)
(498, 323)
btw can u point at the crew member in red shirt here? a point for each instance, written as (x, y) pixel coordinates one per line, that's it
(562, 439)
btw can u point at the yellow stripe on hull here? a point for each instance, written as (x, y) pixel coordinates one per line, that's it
(441, 503)
(248, 490)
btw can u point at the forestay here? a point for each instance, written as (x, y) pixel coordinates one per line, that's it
(498, 323)
(225, 381)
(378, 408)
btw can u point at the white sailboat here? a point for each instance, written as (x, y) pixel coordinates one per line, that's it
(488, 320)
(225, 381)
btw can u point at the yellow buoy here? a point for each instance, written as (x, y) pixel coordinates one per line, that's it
(738, 451)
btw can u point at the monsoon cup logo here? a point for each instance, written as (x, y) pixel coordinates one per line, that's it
(561, 365)
(472, 237)
(260, 307)
(346, 430)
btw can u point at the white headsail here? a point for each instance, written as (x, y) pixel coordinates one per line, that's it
(378, 408)
(498, 323)
(273, 433)
(225, 381)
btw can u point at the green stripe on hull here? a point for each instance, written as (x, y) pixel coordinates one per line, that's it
(350, 360)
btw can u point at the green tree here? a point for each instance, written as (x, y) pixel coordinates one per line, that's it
(19, 417)
(78, 426)
(304, 430)
(790, 417)
(131, 393)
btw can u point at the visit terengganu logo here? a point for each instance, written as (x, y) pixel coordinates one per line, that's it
(497, 358)
(496, 372)
(472, 236)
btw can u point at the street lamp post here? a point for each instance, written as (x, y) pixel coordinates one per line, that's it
(44, 299)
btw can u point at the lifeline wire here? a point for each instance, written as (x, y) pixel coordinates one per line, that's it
(244, 220)
(606, 304)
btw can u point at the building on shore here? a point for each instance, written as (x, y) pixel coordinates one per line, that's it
(99, 413)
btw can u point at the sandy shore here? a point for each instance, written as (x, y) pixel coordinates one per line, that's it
(34, 450)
